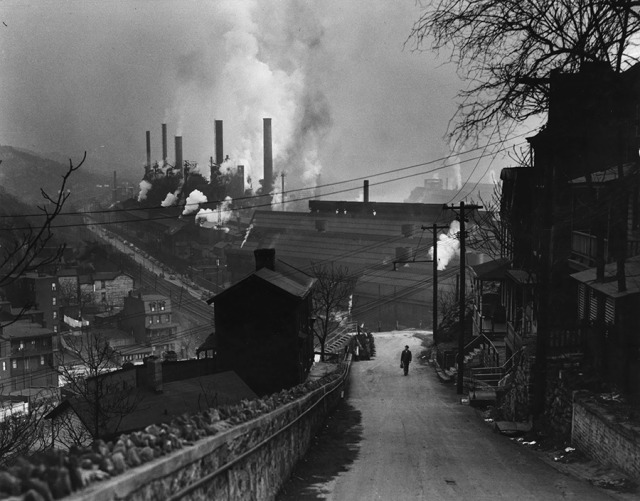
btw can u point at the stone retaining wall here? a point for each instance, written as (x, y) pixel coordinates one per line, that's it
(245, 451)
(604, 436)
(249, 461)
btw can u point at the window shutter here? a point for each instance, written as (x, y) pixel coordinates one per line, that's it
(581, 301)
(609, 310)
(593, 305)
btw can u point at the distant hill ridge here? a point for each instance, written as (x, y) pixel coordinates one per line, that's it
(24, 173)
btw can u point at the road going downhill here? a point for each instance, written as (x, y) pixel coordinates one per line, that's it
(409, 438)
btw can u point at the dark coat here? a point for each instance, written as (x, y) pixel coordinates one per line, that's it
(405, 358)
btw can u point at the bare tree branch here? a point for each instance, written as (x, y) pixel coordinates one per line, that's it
(506, 49)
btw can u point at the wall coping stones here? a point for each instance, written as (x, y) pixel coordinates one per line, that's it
(132, 480)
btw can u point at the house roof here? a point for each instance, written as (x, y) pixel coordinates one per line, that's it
(523, 277)
(25, 329)
(209, 343)
(294, 283)
(491, 270)
(606, 175)
(177, 398)
(609, 285)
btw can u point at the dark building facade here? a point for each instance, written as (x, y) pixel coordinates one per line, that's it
(263, 326)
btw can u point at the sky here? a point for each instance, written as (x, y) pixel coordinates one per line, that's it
(347, 99)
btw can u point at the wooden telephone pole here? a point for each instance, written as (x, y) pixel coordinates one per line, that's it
(434, 228)
(462, 208)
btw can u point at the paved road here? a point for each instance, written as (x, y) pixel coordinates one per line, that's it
(409, 438)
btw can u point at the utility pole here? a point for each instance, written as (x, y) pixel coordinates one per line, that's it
(463, 310)
(435, 229)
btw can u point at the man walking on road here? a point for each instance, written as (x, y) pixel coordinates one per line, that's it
(405, 360)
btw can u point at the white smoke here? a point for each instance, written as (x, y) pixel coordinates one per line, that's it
(246, 235)
(255, 78)
(170, 199)
(217, 218)
(195, 198)
(145, 186)
(448, 245)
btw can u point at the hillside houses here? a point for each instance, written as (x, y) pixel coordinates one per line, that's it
(570, 234)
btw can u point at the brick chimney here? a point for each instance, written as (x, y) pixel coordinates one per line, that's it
(154, 374)
(265, 258)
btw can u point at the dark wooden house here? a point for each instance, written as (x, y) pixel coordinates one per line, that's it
(263, 326)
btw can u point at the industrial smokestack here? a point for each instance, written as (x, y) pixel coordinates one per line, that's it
(164, 142)
(268, 157)
(366, 191)
(148, 149)
(114, 189)
(219, 143)
(240, 176)
(178, 152)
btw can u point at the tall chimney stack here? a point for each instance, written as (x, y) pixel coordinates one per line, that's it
(268, 158)
(219, 143)
(148, 149)
(164, 142)
(366, 191)
(240, 176)
(114, 189)
(178, 152)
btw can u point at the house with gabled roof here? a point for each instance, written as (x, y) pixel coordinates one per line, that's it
(263, 326)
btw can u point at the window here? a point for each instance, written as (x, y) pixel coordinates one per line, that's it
(55, 315)
(581, 301)
(161, 305)
(26, 363)
(55, 328)
(103, 284)
(593, 305)
(152, 306)
(150, 320)
(53, 286)
(14, 364)
(41, 359)
(4, 366)
(53, 301)
(21, 345)
(609, 310)
(157, 319)
(104, 297)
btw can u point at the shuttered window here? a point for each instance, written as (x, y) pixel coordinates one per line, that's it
(609, 310)
(593, 305)
(581, 301)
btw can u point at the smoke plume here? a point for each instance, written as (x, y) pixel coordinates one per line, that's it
(145, 186)
(195, 198)
(170, 199)
(448, 245)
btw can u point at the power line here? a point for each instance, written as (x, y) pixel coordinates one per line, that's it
(305, 189)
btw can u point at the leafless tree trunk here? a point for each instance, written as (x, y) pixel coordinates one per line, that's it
(332, 292)
(101, 399)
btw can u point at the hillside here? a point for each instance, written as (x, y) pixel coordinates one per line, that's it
(23, 173)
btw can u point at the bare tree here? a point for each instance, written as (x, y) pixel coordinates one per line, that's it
(99, 398)
(23, 428)
(331, 294)
(23, 244)
(506, 49)
(24, 251)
